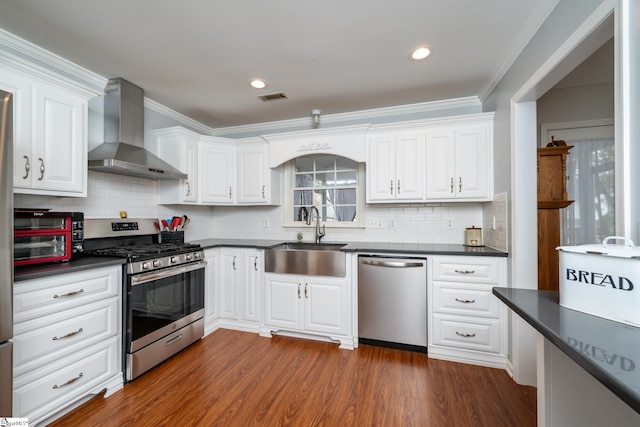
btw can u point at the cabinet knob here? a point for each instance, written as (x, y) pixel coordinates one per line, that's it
(27, 167)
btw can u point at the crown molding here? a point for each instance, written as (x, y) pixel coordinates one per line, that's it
(362, 115)
(38, 60)
(181, 118)
(530, 28)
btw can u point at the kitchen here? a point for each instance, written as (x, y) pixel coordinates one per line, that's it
(414, 223)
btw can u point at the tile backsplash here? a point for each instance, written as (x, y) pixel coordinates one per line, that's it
(108, 194)
(495, 222)
(412, 223)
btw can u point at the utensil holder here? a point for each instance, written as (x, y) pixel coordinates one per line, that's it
(172, 237)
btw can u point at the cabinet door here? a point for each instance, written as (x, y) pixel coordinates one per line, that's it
(211, 285)
(326, 303)
(441, 164)
(471, 162)
(20, 87)
(59, 140)
(217, 171)
(252, 285)
(253, 174)
(230, 277)
(381, 171)
(283, 301)
(190, 167)
(409, 167)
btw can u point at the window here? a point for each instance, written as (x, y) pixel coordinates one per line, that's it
(330, 183)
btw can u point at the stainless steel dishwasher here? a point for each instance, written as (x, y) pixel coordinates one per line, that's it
(392, 302)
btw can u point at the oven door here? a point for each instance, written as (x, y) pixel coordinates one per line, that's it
(161, 302)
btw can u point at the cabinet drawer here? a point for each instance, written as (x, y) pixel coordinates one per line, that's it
(40, 341)
(54, 386)
(41, 297)
(467, 300)
(479, 334)
(470, 269)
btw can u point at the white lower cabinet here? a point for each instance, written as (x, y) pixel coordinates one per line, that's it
(67, 341)
(241, 282)
(467, 323)
(211, 290)
(309, 305)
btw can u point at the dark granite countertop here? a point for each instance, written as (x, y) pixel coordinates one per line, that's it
(40, 271)
(608, 350)
(377, 247)
(423, 248)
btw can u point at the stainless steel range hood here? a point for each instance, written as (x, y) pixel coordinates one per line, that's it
(123, 151)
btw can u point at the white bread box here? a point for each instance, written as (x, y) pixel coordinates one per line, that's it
(602, 279)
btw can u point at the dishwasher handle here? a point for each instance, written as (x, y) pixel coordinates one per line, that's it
(394, 264)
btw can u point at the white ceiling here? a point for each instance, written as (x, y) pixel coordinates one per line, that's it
(197, 56)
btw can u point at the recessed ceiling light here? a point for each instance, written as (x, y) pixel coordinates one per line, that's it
(420, 53)
(257, 83)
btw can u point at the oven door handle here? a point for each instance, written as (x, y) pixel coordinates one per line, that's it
(167, 272)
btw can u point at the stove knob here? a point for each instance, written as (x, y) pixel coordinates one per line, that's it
(173, 259)
(189, 257)
(157, 263)
(196, 255)
(146, 265)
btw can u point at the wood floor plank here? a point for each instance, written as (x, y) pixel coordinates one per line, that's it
(233, 378)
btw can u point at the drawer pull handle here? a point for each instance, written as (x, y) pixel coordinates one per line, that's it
(465, 271)
(299, 285)
(306, 290)
(462, 334)
(71, 381)
(70, 334)
(69, 294)
(172, 340)
(466, 301)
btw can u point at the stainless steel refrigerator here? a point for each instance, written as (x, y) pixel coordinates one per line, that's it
(6, 254)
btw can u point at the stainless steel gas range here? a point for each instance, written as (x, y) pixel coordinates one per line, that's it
(163, 290)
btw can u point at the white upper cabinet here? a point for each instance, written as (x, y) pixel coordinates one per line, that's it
(178, 147)
(221, 171)
(217, 171)
(395, 167)
(459, 161)
(50, 135)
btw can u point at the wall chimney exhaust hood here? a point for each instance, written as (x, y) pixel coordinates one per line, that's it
(123, 151)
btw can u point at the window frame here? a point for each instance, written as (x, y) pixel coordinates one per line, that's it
(290, 185)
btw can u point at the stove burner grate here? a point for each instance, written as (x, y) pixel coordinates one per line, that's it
(133, 251)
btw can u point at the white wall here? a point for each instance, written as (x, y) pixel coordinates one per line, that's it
(515, 141)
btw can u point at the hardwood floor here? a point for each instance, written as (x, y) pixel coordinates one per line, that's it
(233, 378)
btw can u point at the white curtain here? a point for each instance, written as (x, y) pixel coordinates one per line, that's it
(590, 182)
